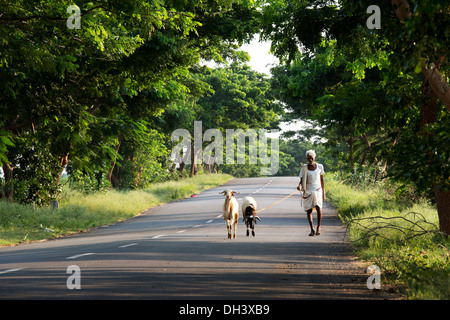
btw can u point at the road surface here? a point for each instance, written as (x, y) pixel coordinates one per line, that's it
(180, 251)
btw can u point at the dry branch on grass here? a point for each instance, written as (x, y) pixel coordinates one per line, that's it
(408, 227)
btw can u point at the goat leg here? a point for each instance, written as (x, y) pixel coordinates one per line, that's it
(229, 229)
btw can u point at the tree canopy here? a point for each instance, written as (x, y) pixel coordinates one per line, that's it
(79, 95)
(384, 92)
(96, 89)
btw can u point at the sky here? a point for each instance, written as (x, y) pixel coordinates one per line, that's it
(261, 59)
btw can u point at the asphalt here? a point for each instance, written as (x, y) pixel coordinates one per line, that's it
(180, 251)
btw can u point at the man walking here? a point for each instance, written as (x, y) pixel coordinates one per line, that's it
(312, 188)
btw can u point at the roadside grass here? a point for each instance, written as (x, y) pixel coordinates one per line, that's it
(79, 212)
(400, 237)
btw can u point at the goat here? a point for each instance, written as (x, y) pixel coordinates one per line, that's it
(249, 214)
(230, 211)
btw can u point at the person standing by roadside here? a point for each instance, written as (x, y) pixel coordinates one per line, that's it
(312, 189)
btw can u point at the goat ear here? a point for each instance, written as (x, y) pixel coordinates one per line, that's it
(223, 192)
(234, 192)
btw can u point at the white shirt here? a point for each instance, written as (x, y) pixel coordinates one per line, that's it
(313, 178)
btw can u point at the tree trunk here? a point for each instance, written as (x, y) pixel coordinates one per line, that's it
(437, 83)
(443, 208)
(380, 171)
(185, 159)
(366, 151)
(109, 176)
(138, 177)
(350, 141)
(182, 166)
(207, 166)
(194, 156)
(8, 191)
(428, 116)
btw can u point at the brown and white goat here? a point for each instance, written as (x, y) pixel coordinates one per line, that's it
(249, 214)
(230, 211)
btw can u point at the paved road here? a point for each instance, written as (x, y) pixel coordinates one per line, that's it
(181, 251)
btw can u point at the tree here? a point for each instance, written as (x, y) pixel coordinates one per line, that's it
(81, 90)
(417, 51)
(56, 76)
(241, 99)
(236, 97)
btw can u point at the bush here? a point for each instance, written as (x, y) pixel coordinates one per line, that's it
(401, 236)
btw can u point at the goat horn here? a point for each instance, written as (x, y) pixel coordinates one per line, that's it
(234, 192)
(258, 218)
(223, 192)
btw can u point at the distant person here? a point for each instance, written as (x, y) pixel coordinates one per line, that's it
(312, 189)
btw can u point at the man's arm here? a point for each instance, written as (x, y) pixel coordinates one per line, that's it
(322, 184)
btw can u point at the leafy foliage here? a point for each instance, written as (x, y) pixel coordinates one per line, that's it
(80, 95)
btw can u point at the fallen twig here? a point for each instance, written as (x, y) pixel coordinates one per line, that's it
(416, 228)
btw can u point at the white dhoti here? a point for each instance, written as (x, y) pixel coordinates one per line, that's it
(311, 199)
(312, 187)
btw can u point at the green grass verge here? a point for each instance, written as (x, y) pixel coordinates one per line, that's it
(80, 212)
(399, 237)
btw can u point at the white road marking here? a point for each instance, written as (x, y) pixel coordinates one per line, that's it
(158, 236)
(261, 188)
(80, 255)
(11, 270)
(128, 245)
(209, 221)
(181, 231)
(198, 225)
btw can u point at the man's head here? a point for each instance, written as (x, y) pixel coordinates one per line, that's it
(310, 156)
